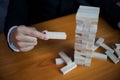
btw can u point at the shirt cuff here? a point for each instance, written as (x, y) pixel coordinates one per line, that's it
(11, 45)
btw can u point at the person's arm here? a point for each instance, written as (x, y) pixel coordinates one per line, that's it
(20, 37)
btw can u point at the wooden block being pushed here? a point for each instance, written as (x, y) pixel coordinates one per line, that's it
(59, 61)
(68, 68)
(65, 58)
(55, 35)
(112, 56)
(99, 56)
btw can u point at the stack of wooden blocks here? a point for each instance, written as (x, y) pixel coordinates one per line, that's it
(86, 28)
(85, 44)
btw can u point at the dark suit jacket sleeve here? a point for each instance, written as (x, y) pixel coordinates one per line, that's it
(17, 14)
(3, 11)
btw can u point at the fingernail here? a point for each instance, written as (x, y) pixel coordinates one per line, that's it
(46, 38)
(44, 32)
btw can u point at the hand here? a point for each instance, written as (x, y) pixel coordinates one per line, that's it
(25, 38)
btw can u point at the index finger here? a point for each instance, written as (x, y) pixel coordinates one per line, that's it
(32, 32)
(39, 35)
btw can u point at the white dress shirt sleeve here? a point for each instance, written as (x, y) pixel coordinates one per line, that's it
(11, 45)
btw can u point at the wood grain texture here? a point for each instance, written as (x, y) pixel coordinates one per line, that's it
(39, 64)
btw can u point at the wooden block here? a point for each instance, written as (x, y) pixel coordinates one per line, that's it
(83, 38)
(87, 35)
(117, 51)
(80, 46)
(77, 40)
(90, 29)
(81, 49)
(99, 56)
(87, 62)
(86, 28)
(86, 12)
(112, 56)
(79, 57)
(78, 31)
(84, 47)
(85, 20)
(79, 28)
(56, 35)
(107, 47)
(68, 68)
(82, 58)
(117, 46)
(92, 36)
(78, 62)
(89, 46)
(65, 58)
(93, 28)
(99, 41)
(88, 42)
(83, 53)
(59, 61)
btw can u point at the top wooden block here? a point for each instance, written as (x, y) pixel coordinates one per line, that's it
(88, 13)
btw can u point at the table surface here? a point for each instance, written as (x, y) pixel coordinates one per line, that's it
(39, 63)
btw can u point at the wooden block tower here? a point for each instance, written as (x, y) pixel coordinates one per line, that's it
(86, 28)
